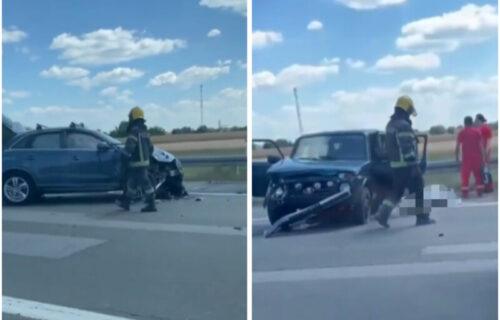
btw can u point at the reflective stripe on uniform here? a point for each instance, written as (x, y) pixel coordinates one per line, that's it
(144, 163)
(141, 156)
(132, 137)
(406, 134)
(149, 191)
(401, 164)
(388, 203)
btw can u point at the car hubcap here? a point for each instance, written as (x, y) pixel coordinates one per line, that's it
(16, 189)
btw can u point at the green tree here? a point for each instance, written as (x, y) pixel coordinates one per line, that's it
(439, 129)
(157, 131)
(450, 130)
(120, 131)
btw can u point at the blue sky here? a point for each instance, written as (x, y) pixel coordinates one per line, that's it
(92, 61)
(350, 59)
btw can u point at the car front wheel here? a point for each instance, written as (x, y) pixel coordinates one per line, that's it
(18, 189)
(362, 209)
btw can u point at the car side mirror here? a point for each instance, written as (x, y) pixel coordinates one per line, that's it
(103, 146)
(273, 159)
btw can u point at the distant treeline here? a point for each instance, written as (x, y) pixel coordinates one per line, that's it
(440, 129)
(121, 130)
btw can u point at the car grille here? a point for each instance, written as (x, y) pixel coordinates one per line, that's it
(311, 188)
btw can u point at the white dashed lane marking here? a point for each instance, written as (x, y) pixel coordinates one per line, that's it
(376, 271)
(482, 247)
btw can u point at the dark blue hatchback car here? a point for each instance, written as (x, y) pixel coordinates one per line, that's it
(74, 159)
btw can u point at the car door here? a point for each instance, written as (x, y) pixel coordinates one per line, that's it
(92, 163)
(264, 158)
(46, 158)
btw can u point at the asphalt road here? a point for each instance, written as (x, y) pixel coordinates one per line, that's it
(444, 271)
(187, 261)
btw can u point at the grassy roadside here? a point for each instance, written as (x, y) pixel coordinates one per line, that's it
(452, 179)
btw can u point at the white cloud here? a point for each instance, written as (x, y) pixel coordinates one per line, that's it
(294, 75)
(114, 93)
(261, 39)
(448, 32)
(355, 64)
(108, 46)
(213, 33)
(439, 100)
(64, 72)
(315, 25)
(9, 97)
(334, 60)
(239, 6)
(18, 94)
(420, 62)
(241, 65)
(190, 76)
(115, 76)
(228, 106)
(13, 35)
(226, 62)
(369, 4)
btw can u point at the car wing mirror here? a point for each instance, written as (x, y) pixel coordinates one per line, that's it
(273, 159)
(103, 146)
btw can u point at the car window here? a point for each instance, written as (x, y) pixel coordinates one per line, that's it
(78, 140)
(331, 147)
(22, 144)
(46, 141)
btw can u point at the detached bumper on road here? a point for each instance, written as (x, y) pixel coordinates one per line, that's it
(302, 214)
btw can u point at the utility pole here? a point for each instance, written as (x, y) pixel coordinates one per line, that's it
(201, 103)
(298, 110)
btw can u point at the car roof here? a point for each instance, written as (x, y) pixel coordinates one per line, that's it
(364, 131)
(46, 130)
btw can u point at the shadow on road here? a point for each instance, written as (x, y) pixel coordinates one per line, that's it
(316, 226)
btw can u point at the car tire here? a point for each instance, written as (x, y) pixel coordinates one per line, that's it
(18, 188)
(362, 209)
(274, 213)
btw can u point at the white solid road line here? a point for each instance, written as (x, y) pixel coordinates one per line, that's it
(218, 194)
(45, 311)
(478, 204)
(376, 271)
(483, 247)
(61, 219)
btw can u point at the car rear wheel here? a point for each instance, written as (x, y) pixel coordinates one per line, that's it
(18, 188)
(362, 209)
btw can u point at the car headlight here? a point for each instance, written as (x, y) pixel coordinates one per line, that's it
(298, 186)
(317, 185)
(330, 184)
(279, 191)
(345, 187)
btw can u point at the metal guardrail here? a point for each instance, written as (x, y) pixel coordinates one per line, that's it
(241, 160)
(213, 161)
(451, 164)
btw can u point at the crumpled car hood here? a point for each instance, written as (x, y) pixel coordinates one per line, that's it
(291, 167)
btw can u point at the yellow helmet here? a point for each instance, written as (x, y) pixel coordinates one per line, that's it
(406, 103)
(136, 113)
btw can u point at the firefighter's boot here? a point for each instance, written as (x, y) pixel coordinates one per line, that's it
(123, 203)
(150, 206)
(383, 213)
(424, 219)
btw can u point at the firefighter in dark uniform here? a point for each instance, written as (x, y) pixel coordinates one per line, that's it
(402, 151)
(137, 152)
